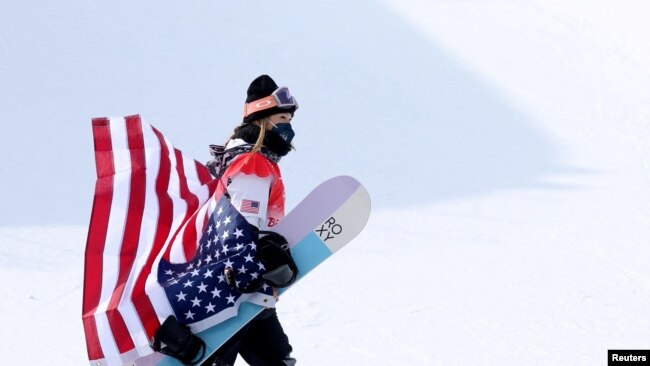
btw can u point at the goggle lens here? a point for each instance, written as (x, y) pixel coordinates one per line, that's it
(284, 98)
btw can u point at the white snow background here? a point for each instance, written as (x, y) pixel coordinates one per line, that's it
(505, 145)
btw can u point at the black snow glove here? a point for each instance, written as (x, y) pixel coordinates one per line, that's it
(176, 340)
(273, 251)
(280, 269)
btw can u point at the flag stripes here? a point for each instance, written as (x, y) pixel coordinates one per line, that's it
(142, 304)
(189, 234)
(131, 233)
(146, 195)
(97, 234)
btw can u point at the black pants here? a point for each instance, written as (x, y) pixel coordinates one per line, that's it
(262, 342)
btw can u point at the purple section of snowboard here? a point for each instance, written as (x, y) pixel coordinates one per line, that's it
(327, 197)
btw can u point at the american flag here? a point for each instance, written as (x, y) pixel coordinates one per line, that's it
(198, 289)
(155, 211)
(250, 206)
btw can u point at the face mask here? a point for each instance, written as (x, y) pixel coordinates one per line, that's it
(284, 130)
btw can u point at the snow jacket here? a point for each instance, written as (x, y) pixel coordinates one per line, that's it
(254, 185)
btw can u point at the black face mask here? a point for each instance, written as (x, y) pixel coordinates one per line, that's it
(285, 131)
(275, 142)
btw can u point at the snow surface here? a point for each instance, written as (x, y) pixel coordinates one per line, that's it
(504, 145)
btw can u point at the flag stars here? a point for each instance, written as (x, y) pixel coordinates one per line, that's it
(202, 287)
(209, 308)
(189, 315)
(196, 302)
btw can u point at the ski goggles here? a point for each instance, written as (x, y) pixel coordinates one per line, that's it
(280, 98)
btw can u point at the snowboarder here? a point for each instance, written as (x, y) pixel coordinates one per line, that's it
(247, 166)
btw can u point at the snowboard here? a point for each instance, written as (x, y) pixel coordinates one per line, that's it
(329, 217)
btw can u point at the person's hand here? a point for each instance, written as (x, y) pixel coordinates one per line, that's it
(273, 251)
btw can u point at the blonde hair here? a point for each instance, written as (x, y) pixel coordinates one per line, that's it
(260, 138)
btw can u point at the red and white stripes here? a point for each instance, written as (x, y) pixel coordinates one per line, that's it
(149, 202)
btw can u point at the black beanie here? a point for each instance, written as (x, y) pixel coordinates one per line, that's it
(261, 87)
